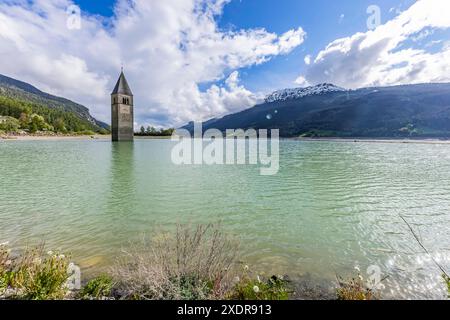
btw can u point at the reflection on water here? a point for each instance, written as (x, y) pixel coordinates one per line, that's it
(121, 194)
(122, 170)
(333, 206)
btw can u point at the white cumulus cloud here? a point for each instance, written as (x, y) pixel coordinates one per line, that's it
(308, 59)
(383, 56)
(169, 49)
(301, 81)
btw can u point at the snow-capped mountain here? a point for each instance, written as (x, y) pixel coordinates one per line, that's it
(419, 110)
(288, 94)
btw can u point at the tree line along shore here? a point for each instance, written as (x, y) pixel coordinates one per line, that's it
(20, 118)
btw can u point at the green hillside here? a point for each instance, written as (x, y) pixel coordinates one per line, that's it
(26, 108)
(19, 115)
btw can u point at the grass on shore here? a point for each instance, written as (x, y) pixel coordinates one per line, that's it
(34, 275)
(447, 282)
(97, 288)
(355, 289)
(259, 288)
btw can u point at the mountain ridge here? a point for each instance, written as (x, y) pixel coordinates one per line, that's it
(296, 93)
(415, 110)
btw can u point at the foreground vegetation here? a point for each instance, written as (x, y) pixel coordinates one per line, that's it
(197, 263)
(33, 275)
(19, 115)
(192, 264)
(447, 281)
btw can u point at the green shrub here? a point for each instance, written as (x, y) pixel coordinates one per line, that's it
(355, 289)
(5, 280)
(97, 288)
(447, 281)
(60, 126)
(9, 124)
(194, 263)
(34, 275)
(191, 287)
(258, 288)
(42, 277)
(5, 265)
(37, 123)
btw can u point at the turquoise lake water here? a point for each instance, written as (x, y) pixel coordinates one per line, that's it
(332, 207)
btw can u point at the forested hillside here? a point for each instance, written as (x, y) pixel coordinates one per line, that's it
(21, 115)
(24, 108)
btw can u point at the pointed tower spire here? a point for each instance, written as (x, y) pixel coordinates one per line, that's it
(122, 86)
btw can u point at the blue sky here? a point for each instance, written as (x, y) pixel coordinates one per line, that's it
(198, 59)
(321, 19)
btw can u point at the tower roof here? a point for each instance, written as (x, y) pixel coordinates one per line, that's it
(122, 86)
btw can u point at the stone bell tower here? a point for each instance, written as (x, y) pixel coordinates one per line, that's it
(122, 113)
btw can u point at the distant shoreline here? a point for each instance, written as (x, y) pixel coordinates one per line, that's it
(376, 140)
(329, 139)
(68, 137)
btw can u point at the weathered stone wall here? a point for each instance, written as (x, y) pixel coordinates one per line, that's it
(122, 118)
